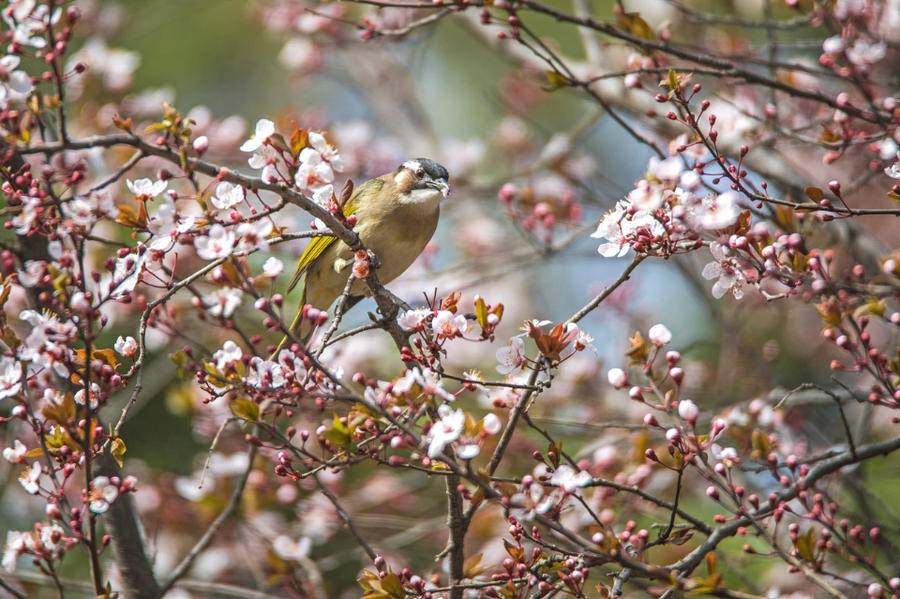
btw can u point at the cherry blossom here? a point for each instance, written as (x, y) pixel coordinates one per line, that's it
(16, 453)
(568, 479)
(103, 493)
(264, 374)
(229, 354)
(145, 188)
(412, 320)
(30, 479)
(292, 550)
(15, 85)
(511, 358)
(10, 377)
(227, 195)
(166, 224)
(726, 271)
(223, 302)
(126, 346)
(218, 243)
(447, 325)
(272, 267)
(445, 430)
(659, 335)
(264, 130)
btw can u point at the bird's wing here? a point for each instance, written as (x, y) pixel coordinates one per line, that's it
(319, 244)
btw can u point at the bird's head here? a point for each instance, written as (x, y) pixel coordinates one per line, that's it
(421, 180)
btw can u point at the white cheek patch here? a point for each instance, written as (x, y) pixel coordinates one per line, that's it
(412, 165)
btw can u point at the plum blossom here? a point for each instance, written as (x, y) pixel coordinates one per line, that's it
(103, 493)
(617, 377)
(94, 396)
(446, 430)
(14, 85)
(326, 151)
(726, 272)
(447, 325)
(688, 410)
(511, 358)
(26, 219)
(27, 21)
(491, 423)
(126, 346)
(272, 267)
(126, 274)
(264, 374)
(223, 302)
(315, 176)
(411, 320)
(427, 381)
(645, 196)
(227, 195)
(16, 453)
(48, 345)
(145, 188)
(264, 130)
(29, 479)
(719, 212)
(17, 543)
(219, 243)
(166, 224)
(864, 52)
(230, 353)
(620, 226)
(566, 478)
(254, 235)
(10, 377)
(288, 549)
(668, 170)
(660, 335)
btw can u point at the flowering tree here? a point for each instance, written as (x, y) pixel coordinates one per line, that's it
(757, 456)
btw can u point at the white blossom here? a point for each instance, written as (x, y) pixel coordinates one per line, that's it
(10, 377)
(448, 325)
(126, 346)
(219, 243)
(272, 267)
(222, 302)
(230, 353)
(660, 335)
(511, 358)
(16, 453)
(288, 549)
(568, 480)
(103, 493)
(145, 188)
(264, 374)
(445, 430)
(726, 272)
(264, 130)
(227, 195)
(29, 479)
(411, 320)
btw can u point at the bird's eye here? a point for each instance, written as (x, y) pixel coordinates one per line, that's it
(420, 172)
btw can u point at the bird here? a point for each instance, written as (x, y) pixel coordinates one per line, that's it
(396, 215)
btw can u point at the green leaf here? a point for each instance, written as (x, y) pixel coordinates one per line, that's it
(245, 409)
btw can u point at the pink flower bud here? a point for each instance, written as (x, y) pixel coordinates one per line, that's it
(688, 410)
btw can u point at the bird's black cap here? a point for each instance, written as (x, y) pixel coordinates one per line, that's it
(434, 170)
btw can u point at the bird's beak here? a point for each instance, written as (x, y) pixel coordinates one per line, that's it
(441, 186)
